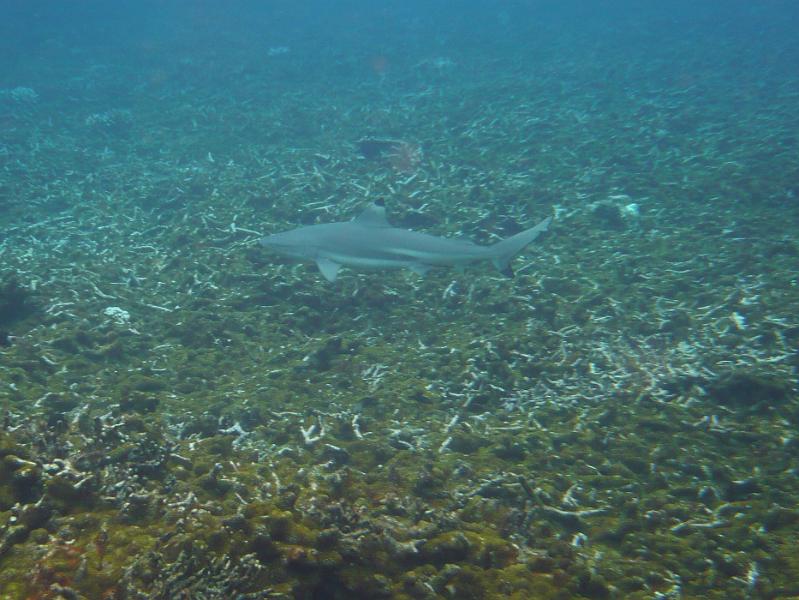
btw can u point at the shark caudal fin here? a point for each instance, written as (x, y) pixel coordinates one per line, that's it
(505, 250)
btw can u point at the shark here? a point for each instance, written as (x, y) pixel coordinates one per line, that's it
(369, 241)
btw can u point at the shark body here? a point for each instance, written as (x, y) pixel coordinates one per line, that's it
(369, 241)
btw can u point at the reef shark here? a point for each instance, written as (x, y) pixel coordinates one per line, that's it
(369, 241)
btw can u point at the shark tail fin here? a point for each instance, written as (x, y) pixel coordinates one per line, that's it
(508, 248)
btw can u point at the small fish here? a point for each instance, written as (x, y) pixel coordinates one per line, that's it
(370, 242)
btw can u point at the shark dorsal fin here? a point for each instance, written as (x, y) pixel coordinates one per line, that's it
(373, 216)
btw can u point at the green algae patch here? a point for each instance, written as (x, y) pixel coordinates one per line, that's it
(484, 550)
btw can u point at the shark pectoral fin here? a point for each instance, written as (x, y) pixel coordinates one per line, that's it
(505, 268)
(328, 268)
(420, 269)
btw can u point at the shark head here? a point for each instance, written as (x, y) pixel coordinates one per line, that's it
(290, 243)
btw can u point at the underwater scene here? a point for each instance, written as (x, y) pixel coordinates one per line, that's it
(399, 300)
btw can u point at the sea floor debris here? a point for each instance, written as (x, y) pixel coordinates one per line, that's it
(182, 416)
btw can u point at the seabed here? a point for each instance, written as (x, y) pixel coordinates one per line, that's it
(187, 416)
